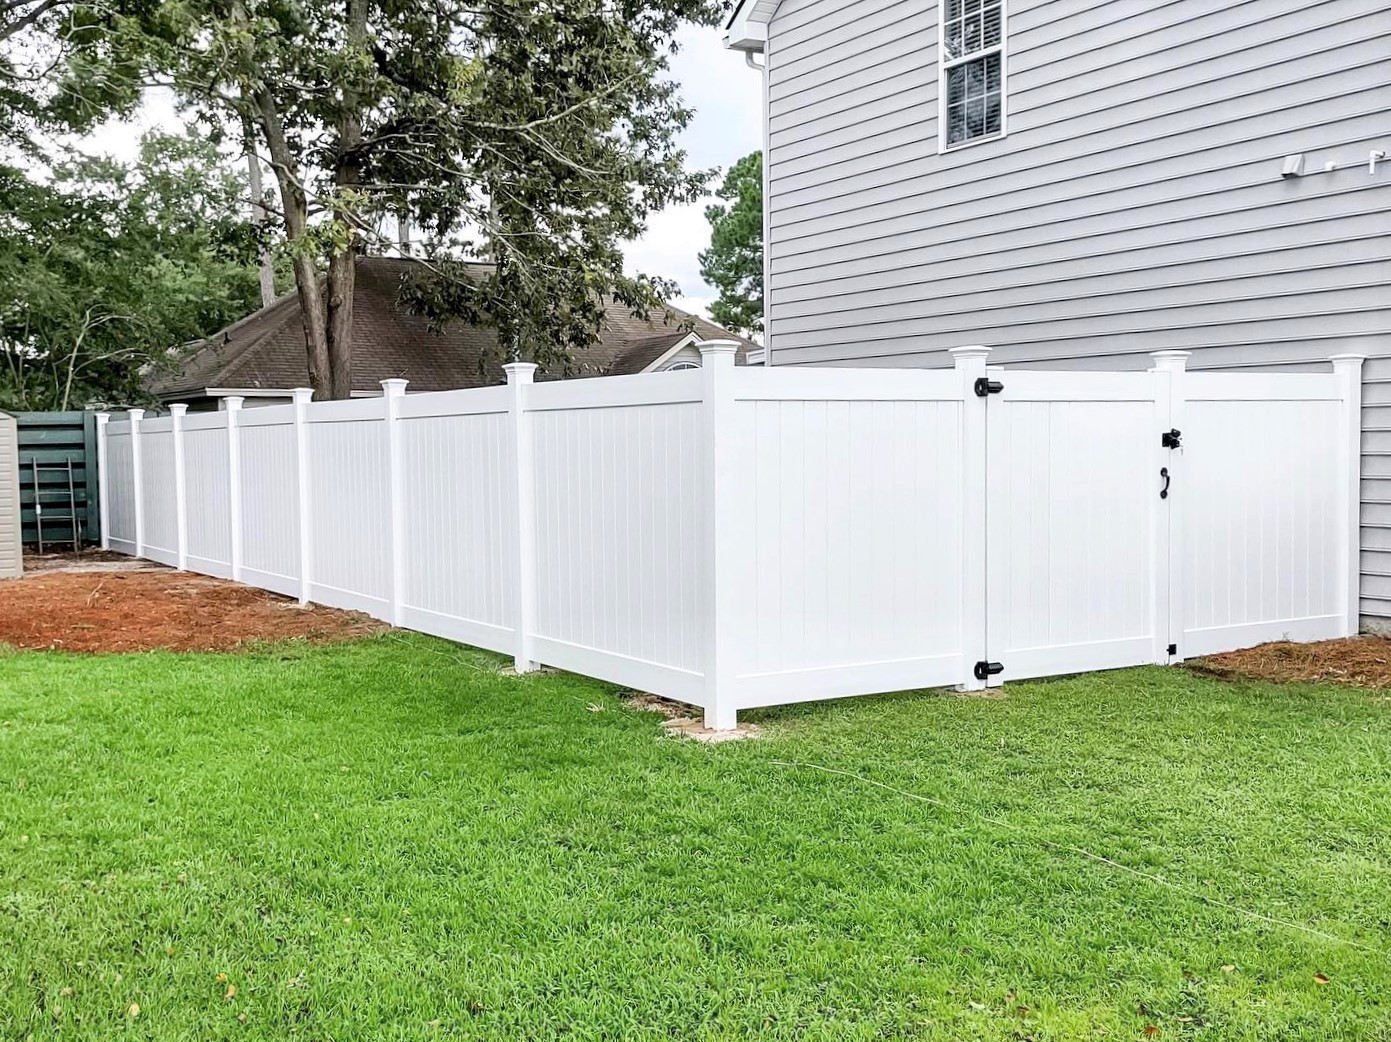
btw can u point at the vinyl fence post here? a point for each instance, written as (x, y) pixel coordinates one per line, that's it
(392, 393)
(721, 530)
(970, 366)
(1167, 561)
(232, 406)
(1349, 369)
(301, 397)
(102, 512)
(520, 376)
(176, 432)
(136, 483)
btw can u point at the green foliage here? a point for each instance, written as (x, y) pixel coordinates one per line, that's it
(734, 262)
(105, 269)
(537, 135)
(390, 840)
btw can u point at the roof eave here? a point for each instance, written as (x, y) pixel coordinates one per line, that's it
(747, 28)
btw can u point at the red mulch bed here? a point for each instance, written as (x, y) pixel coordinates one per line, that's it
(1353, 661)
(144, 610)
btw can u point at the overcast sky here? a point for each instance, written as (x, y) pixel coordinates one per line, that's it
(725, 94)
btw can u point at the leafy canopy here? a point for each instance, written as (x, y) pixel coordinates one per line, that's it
(734, 262)
(106, 266)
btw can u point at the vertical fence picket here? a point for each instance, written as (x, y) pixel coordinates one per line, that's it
(103, 493)
(520, 376)
(392, 392)
(232, 406)
(301, 397)
(176, 433)
(137, 480)
(1348, 368)
(970, 366)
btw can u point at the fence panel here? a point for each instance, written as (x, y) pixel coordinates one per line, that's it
(619, 529)
(349, 506)
(1262, 510)
(1073, 522)
(851, 510)
(118, 490)
(208, 494)
(269, 499)
(457, 513)
(158, 507)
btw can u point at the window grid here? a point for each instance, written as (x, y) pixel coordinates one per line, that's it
(972, 81)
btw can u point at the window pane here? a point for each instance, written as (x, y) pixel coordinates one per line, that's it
(956, 124)
(973, 33)
(975, 79)
(990, 33)
(975, 118)
(956, 85)
(992, 72)
(955, 42)
(973, 5)
(953, 10)
(992, 114)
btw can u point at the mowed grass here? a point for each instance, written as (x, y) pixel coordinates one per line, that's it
(392, 840)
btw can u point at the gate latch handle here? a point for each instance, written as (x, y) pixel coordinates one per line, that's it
(1164, 473)
(984, 387)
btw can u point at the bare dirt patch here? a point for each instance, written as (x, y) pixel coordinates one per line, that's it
(159, 608)
(1352, 661)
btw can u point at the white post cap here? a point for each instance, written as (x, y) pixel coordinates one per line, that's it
(302, 395)
(969, 353)
(394, 388)
(717, 352)
(520, 372)
(1348, 361)
(178, 408)
(233, 402)
(1171, 361)
(135, 414)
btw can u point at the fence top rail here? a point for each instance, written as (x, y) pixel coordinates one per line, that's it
(346, 410)
(158, 425)
(610, 392)
(205, 421)
(1057, 385)
(118, 429)
(836, 384)
(473, 401)
(266, 416)
(1270, 387)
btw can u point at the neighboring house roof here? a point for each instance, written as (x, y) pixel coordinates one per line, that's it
(265, 350)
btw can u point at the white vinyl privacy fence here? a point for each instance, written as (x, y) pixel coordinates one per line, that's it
(739, 537)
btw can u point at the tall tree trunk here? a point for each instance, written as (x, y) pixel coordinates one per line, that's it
(259, 215)
(342, 266)
(296, 206)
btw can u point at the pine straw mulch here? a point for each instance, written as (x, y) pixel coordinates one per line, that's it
(159, 608)
(1353, 661)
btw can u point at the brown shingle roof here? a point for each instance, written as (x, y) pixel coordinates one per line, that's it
(266, 349)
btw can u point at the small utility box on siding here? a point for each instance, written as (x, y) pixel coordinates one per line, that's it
(11, 549)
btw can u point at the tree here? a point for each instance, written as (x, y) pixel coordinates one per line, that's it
(539, 135)
(734, 262)
(105, 267)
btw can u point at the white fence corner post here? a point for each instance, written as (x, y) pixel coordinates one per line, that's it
(232, 407)
(721, 531)
(971, 366)
(520, 376)
(1349, 369)
(1168, 580)
(176, 433)
(392, 393)
(103, 512)
(137, 484)
(301, 397)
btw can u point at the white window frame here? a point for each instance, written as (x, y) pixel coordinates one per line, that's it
(943, 64)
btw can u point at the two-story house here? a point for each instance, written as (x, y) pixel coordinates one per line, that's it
(1078, 183)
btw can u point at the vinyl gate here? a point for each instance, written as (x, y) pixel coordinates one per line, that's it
(734, 537)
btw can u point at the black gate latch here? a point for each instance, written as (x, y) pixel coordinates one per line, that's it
(985, 669)
(984, 387)
(1170, 439)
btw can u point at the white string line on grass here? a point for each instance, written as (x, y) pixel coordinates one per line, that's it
(1196, 895)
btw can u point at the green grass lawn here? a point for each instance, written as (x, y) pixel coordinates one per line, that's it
(391, 840)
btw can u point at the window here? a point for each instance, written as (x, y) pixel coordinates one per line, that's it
(681, 365)
(973, 70)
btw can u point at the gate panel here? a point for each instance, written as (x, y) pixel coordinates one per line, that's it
(1261, 476)
(1075, 529)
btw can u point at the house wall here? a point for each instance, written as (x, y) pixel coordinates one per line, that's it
(1136, 204)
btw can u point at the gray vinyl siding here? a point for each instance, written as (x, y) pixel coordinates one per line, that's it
(11, 552)
(1135, 205)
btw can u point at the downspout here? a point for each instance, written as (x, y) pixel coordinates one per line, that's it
(767, 241)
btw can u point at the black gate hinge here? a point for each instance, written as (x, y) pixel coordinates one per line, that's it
(1173, 649)
(984, 669)
(985, 386)
(1170, 439)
